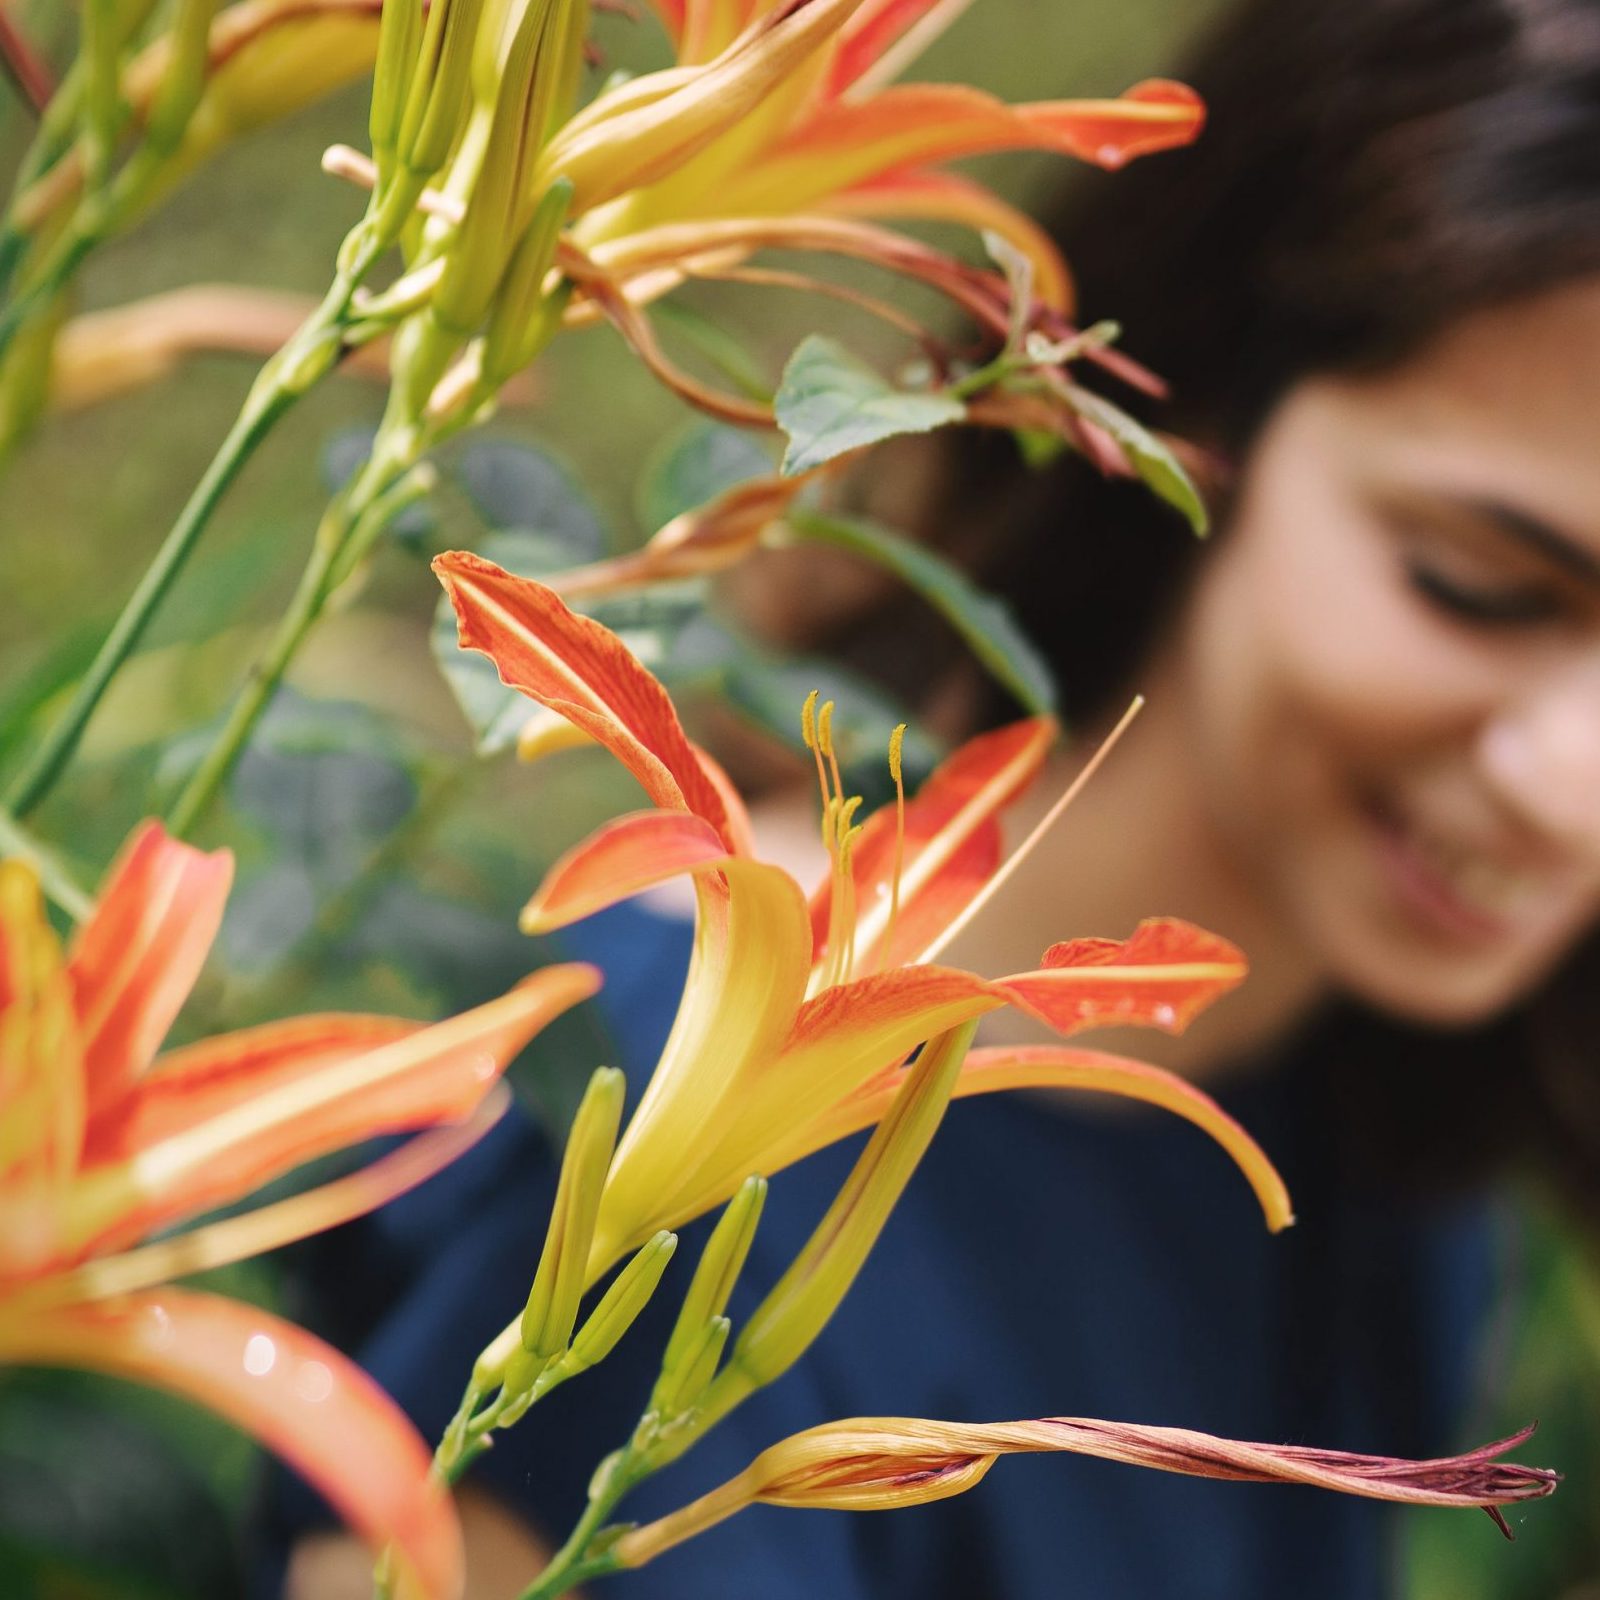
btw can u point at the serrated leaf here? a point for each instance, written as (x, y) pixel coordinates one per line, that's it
(695, 465)
(830, 403)
(518, 486)
(1158, 468)
(984, 622)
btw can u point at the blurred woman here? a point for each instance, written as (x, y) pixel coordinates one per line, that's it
(1371, 757)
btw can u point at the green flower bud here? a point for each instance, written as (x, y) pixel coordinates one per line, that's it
(441, 87)
(720, 1264)
(552, 1306)
(621, 1304)
(524, 316)
(185, 77)
(808, 1294)
(399, 42)
(678, 1389)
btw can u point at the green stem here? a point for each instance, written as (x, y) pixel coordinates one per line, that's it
(347, 532)
(573, 1562)
(40, 774)
(53, 878)
(292, 372)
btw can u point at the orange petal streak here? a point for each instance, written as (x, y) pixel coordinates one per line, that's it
(136, 958)
(618, 860)
(1162, 977)
(435, 1074)
(583, 671)
(303, 1401)
(950, 839)
(914, 125)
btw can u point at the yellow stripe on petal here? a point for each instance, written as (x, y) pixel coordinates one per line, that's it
(436, 1074)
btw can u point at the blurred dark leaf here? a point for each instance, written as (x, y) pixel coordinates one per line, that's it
(768, 691)
(984, 622)
(94, 1501)
(518, 486)
(694, 466)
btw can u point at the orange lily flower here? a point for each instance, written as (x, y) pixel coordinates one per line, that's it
(781, 107)
(102, 1142)
(797, 1016)
(882, 1463)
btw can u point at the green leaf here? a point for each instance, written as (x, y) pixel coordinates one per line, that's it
(695, 465)
(1156, 465)
(984, 622)
(767, 690)
(829, 403)
(513, 485)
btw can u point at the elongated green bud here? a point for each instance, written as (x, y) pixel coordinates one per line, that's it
(552, 1306)
(102, 90)
(621, 1304)
(524, 315)
(678, 1389)
(441, 86)
(808, 1294)
(185, 77)
(399, 42)
(718, 1270)
(482, 245)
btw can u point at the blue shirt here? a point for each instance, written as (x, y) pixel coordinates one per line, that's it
(1086, 1259)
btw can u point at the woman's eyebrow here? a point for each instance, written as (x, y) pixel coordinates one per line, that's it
(1566, 552)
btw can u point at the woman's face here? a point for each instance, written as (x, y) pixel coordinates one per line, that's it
(1393, 664)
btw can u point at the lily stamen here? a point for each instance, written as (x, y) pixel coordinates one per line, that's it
(897, 741)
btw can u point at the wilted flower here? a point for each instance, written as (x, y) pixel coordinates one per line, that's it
(884, 1463)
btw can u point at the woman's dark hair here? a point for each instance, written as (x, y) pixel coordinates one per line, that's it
(1371, 172)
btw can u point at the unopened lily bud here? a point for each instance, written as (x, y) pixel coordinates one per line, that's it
(680, 1386)
(552, 1306)
(185, 77)
(621, 1304)
(399, 41)
(441, 87)
(808, 1294)
(720, 1264)
(525, 315)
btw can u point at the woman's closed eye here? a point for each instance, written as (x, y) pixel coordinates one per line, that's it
(1490, 603)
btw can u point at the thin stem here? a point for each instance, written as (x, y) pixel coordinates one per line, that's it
(572, 1563)
(348, 530)
(53, 878)
(38, 777)
(292, 372)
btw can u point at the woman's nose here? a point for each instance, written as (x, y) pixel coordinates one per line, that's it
(1541, 754)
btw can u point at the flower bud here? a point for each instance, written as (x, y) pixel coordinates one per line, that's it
(679, 1387)
(524, 315)
(185, 75)
(721, 1262)
(440, 90)
(552, 1306)
(621, 1304)
(399, 41)
(808, 1294)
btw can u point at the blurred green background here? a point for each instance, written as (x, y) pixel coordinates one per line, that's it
(381, 869)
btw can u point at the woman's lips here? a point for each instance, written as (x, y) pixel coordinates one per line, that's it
(1450, 891)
